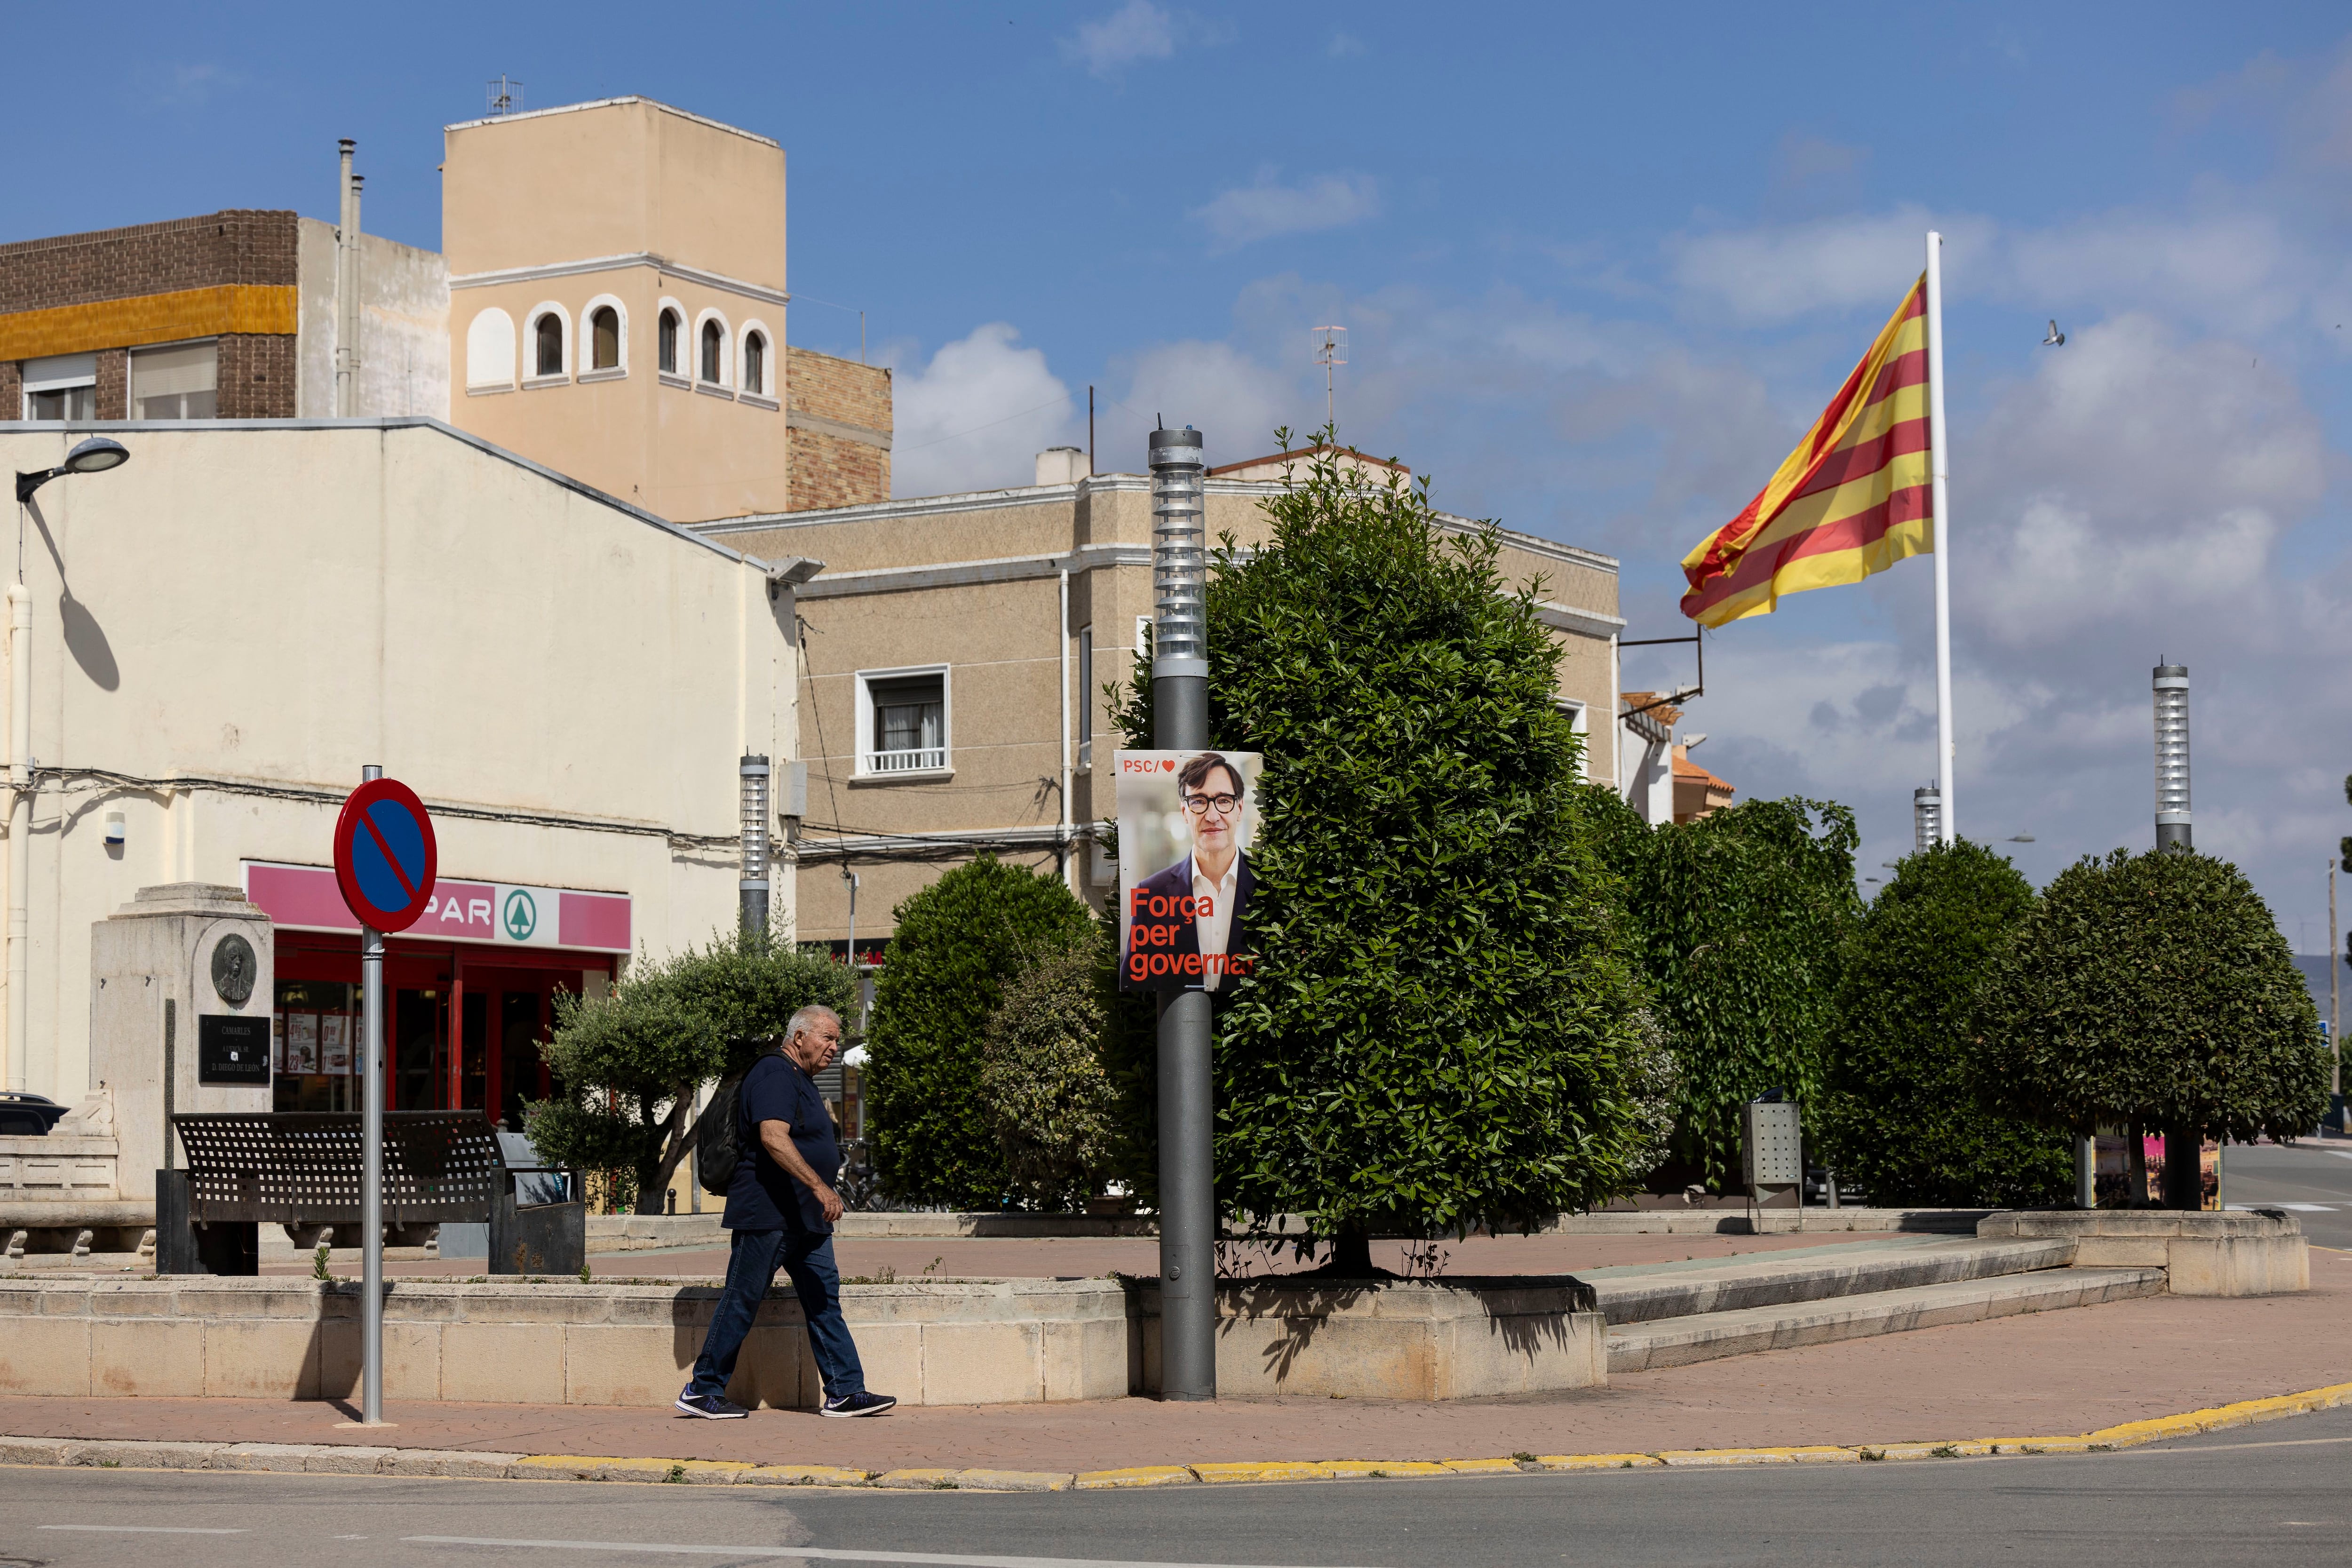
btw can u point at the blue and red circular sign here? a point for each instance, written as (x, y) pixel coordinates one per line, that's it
(385, 858)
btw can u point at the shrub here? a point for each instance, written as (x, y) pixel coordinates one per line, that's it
(1042, 1078)
(1441, 1032)
(1901, 1113)
(2153, 989)
(629, 1066)
(958, 941)
(1738, 922)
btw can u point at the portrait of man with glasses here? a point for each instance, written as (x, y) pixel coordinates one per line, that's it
(1188, 925)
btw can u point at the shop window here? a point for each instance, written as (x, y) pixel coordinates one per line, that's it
(605, 334)
(755, 364)
(714, 352)
(547, 341)
(314, 1055)
(178, 381)
(62, 386)
(902, 721)
(668, 335)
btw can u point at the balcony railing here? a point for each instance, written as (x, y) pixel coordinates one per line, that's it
(911, 762)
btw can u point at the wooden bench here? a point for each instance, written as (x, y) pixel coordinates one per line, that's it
(247, 1169)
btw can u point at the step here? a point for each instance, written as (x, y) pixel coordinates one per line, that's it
(1710, 1336)
(1642, 1293)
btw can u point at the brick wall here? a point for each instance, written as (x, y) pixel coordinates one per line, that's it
(12, 391)
(828, 469)
(114, 384)
(236, 247)
(257, 377)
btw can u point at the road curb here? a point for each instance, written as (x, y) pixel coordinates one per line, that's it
(333, 1458)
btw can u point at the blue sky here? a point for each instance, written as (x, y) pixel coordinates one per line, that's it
(1600, 268)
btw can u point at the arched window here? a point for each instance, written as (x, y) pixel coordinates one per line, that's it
(604, 333)
(547, 336)
(755, 364)
(669, 343)
(490, 350)
(714, 351)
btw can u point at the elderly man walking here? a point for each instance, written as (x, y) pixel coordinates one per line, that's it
(782, 1206)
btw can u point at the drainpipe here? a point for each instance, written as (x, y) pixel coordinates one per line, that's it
(346, 233)
(1069, 861)
(20, 829)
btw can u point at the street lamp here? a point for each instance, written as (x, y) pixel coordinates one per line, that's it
(94, 455)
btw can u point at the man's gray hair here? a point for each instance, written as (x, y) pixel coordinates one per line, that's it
(808, 1018)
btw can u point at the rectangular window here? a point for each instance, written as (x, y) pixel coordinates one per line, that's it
(178, 381)
(62, 386)
(1576, 717)
(902, 721)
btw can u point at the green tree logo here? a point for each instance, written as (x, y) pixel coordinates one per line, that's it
(522, 915)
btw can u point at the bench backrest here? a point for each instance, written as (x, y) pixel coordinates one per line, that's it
(302, 1167)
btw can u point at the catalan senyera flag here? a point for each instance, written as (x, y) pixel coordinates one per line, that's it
(1852, 500)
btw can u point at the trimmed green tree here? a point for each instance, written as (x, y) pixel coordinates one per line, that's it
(1900, 1112)
(628, 1066)
(1738, 921)
(1440, 1031)
(1042, 1078)
(2153, 990)
(956, 944)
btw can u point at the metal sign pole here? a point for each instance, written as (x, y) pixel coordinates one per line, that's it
(371, 1167)
(1180, 705)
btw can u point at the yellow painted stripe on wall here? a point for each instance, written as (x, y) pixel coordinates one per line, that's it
(266, 308)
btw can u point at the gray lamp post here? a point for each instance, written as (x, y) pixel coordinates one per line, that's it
(751, 887)
(1927, 818)
(1180, 722)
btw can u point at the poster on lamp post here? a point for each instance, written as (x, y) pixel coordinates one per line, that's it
(1185, 823)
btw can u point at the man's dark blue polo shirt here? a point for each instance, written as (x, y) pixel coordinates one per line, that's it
(763, 1195)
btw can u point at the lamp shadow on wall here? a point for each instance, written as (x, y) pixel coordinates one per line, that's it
(85, 639)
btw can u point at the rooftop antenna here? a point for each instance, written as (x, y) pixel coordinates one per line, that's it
(1330, 349)
(506, 96)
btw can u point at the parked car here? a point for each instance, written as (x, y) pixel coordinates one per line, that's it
(27, 1115)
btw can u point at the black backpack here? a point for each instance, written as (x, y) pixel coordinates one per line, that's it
(715, 1148)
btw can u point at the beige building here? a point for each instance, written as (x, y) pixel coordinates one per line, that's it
(219, 634)
(611, 303)
(955, 652)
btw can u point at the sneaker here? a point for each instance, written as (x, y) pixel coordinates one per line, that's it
(857, 1405)
(709, 1406)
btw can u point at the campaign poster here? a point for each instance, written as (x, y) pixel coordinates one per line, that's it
(1186, 820)
(335, 1043)
(302, 1042)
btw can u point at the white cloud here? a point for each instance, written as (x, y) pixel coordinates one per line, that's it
(1774, 273)
(1235, 400)
(1138, 30)
(1343, 45)
(1267, 207)
(976, 415)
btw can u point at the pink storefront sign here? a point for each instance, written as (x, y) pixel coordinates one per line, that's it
(305, 898)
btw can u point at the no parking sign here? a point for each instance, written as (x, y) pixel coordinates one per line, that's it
(385, 856)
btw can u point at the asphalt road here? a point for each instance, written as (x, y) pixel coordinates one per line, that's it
(2311, 1179)
(2246, 1495)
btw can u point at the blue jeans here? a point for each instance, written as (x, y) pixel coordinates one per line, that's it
(750, 1270)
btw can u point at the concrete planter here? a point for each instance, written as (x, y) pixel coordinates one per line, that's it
(947, 1342)
(1426, 1340)
(2258, 1252)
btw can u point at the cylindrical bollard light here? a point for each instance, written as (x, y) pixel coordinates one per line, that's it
(753, 888)
(2172, 756)
(1180, 722)
(1927, 818)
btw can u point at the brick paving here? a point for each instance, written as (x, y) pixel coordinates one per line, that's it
(2047, 1373)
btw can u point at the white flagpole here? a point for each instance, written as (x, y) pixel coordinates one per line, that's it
(1940, 470)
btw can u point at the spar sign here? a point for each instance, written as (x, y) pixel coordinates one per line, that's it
(385, 858)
